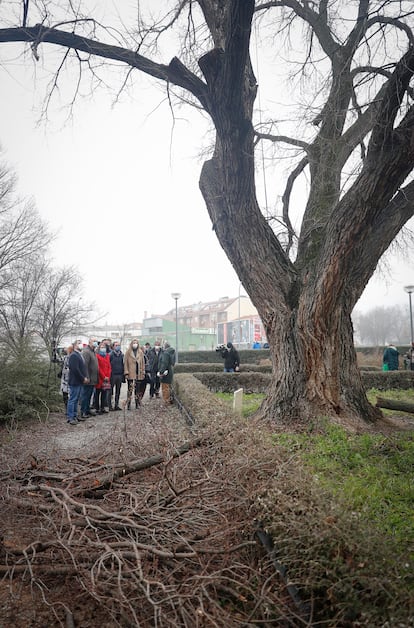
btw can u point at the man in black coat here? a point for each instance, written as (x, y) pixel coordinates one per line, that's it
(153, 358)
(231, 358)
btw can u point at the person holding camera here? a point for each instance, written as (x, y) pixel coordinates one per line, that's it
(231, 357)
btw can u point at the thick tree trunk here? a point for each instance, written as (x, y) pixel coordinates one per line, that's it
(310, 335)
(315, 371)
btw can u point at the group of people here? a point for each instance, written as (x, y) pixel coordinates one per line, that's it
(390, 358)
(93, 374)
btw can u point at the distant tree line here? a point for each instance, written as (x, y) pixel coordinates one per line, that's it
(39, 303)
(382, 325)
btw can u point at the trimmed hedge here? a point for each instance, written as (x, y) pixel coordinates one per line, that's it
(255, 356)
(200, 405)
(202, 367)
(247, 356)
(384, 380)
(257, 382)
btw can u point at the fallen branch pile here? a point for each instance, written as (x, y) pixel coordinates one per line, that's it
(166, 540)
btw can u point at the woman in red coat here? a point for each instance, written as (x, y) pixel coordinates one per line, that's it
(103, 387)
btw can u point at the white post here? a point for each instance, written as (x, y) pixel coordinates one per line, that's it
(238, 401)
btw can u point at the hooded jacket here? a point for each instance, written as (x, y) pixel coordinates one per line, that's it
(231, 357)
(166, 361)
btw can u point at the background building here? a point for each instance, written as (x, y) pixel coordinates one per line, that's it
(200, 326)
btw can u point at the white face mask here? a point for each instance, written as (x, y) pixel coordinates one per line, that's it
(135, 346)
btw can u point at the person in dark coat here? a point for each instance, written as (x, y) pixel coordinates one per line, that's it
(231, 358)
(390, 358)
(153, 357)
(165, 372)
(77, 378)
(91, 364)
(117, 374)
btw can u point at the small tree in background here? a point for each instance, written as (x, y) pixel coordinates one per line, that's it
(60, 308)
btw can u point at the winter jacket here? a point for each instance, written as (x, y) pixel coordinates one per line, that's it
(166, 361)
(231, 357)
(117, 362)
(134, 365)
(104, 369)
(91, 363)
(390, 357)
(77, 369)
(153, 358)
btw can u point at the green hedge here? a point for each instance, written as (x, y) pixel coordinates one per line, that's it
(203, 367)
(257, 382)
(254, 356)
(247, 356)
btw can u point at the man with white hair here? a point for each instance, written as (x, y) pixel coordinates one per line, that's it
(77, 378)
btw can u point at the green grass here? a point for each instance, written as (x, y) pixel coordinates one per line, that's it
(251, 402)
(371, 473)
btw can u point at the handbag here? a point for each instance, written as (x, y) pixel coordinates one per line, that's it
(106, 385)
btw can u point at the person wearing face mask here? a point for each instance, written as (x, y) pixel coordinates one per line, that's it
(91, 363)
(134, 371)
(103, 387)
(117, 374)
(153, 357)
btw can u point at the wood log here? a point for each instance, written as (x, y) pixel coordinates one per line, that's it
(393, 404)
(138, 465)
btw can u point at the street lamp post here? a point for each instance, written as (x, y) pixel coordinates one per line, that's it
(176, 296)
(410, 290)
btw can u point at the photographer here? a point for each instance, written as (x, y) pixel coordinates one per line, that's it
(230, 356)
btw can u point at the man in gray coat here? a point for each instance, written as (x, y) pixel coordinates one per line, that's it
(91, 364)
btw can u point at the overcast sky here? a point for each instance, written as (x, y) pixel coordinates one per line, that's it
(119, 186)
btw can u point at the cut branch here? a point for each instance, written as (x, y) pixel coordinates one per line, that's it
(394, 404)
(139, 465)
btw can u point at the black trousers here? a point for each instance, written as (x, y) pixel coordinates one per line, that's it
(154, 385)
(116, 383)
